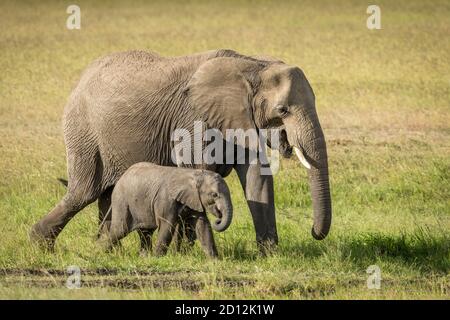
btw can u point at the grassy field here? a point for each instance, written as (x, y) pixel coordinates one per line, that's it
(383, 98)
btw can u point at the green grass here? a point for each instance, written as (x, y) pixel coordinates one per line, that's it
(383, 100)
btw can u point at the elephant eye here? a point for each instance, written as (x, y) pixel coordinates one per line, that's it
(282, 110)
(214, 194)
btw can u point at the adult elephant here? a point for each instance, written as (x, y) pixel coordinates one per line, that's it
(127, 105)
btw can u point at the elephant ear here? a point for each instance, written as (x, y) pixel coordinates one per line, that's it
(184, 189)
(221, 94)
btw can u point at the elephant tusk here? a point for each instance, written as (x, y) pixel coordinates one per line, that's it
(302, 158)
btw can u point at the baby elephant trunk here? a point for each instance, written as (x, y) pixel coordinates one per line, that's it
(224, 213)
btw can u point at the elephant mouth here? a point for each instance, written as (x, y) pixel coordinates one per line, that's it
(299, 152)
(286, 152)
(217, 213)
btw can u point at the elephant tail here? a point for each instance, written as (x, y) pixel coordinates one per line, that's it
(63, 181)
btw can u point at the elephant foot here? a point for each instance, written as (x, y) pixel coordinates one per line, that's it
(105, 244)
(267, 247)
(213, 255)
(160, 252)
(40, 238)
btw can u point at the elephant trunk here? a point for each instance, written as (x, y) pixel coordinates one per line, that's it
(321, 201)
(224, 212)
(310, 147)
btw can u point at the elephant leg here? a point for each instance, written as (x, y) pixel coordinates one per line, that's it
(179, 234)
(104, 203)
(259, 193)
(85, 169)
(112, 238)
(204, 233)
(145, 236)
(189, 229)
(45, 231)
(118, 227)
(165, 235)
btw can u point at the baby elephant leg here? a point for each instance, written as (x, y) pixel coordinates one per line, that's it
(165, 235)
(205, 235)
(112, 238)
(118, 229)
(179, 234)
(189, 229)
(145, 235)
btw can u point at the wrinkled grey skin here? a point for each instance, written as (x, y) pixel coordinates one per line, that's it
(149, 197)
(127, 105)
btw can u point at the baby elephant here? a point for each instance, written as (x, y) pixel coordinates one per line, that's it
(149, 197)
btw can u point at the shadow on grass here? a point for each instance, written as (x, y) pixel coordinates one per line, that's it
(239, 250)
(424, 249)
(427, 252)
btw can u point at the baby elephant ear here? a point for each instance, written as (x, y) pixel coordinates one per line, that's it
(185, 191)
